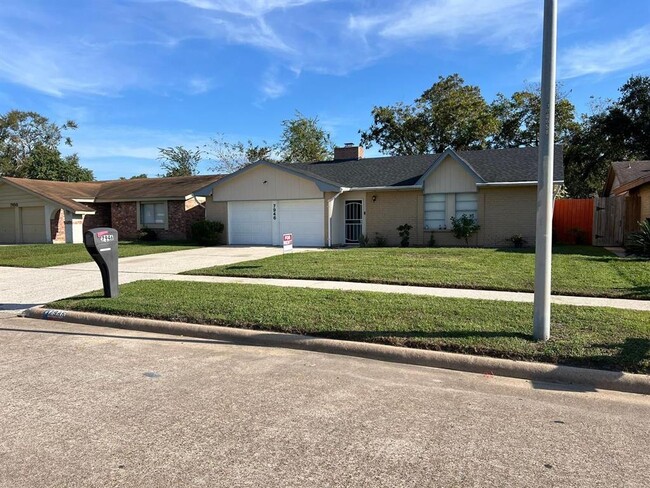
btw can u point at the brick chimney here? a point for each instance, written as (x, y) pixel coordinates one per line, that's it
(348, 152)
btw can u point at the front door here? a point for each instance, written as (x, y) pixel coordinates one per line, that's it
(353, 221)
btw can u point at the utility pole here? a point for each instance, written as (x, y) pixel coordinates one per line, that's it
(543, 236)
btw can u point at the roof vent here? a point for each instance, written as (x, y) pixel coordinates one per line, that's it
(349, 151)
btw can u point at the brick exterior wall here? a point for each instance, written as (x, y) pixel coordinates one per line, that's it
(124, 219)
(180, 216)
(392, 209)
(502, 212)
(102, 217)
(507, 211)
(57, 227)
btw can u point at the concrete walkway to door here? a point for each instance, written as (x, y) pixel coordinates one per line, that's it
(21, 288)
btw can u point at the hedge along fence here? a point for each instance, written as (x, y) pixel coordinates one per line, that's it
(573, 220)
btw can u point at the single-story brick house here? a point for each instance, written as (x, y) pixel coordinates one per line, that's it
(41, 211)
(630, 178)
(333, 203)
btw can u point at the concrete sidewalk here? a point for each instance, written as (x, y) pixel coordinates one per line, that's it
(506, 296)
(22, 288)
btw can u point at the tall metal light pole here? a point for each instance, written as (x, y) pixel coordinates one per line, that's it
(543, 238)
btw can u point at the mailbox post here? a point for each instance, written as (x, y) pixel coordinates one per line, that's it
(101, 244)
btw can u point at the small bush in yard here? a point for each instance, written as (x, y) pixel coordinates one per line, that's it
(404, 232)
(363, 241)
(432, 240)
(517, 240)
(639, 242)
(147, 235)
(463, 227)
(380, 241)
(207, 232)
(579, 236)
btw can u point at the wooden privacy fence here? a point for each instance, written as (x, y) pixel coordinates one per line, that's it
(573, 220)
(615, 218)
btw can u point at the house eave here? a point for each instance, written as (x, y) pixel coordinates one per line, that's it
(322, 184)
(139, 199)
(453, 154)
(48, 200)
(384, 188)
(496, 184)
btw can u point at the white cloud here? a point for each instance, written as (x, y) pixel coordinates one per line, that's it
(506, 24)
(275, 81)
(132, 45)
(250, 8)
(198, 85)
(625, 52)
(128, 142)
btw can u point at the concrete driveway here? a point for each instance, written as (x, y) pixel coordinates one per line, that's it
(22, 288)
(87, 406)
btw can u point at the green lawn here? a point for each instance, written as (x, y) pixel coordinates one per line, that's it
(44, 255)
(577, 270)
(581, 336)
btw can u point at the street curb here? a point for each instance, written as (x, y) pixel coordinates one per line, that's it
(606, 380)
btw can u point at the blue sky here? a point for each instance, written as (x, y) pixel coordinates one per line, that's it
(141, 74)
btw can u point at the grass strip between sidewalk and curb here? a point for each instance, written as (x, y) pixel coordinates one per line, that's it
(603, 338)
(577, 270)
(46, 255)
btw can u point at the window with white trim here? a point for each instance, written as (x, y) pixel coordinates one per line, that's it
(153, 214)
(435, 211)
(467, 203)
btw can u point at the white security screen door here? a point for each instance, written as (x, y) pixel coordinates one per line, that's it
(353, 221)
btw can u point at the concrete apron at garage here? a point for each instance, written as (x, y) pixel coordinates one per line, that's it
(22, 288)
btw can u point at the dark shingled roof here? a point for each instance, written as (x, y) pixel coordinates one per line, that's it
(629, 174)
(165, 188)
(60, 192)
(493, 165)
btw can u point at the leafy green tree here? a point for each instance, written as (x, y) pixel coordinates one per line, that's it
(47, 164)
(587, 157)
(449, 114)
(231, 156)
(519, 115)
(303, 140)
(179, 161)
(617, 131)
(29, 148)
(134, 177)
(628, 120)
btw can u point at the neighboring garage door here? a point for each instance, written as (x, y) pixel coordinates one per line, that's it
(252, 222)
(33, 224)
(7, 226)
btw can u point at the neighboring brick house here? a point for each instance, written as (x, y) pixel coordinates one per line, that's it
(331, 203)
(53, 211)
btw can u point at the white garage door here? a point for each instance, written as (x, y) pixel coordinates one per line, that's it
(253, 223)
(250, 222)
(33, 223)
(7, 226)
(305, 220)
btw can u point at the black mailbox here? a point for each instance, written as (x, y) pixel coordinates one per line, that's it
(101, 243)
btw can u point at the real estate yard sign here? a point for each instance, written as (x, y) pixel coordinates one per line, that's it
(287, 242)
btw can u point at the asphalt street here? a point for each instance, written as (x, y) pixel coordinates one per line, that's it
(86, 406)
